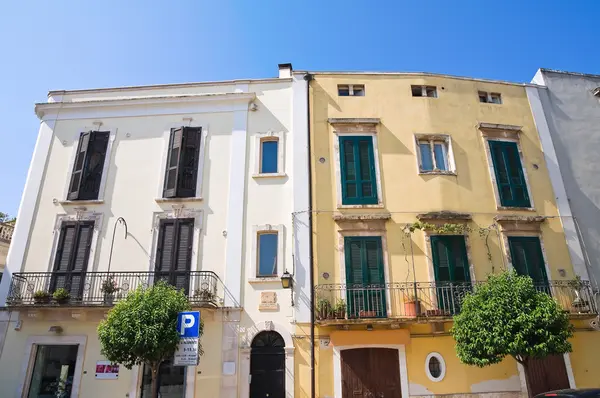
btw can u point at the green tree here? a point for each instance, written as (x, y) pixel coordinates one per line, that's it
(507, 316)
(142, 328)
(4, 217)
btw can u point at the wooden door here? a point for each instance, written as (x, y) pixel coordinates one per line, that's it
(547, 374)
(370, 373)
(267, 366)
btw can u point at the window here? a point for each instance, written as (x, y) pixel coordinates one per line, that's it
(351, 90)
(510, 178)
(182, 163)
(72, 256)
(451, 271)
(269, 156)
(53, 371)
(171, 380)
(89, 163)
(491, 98)
(527, 257)
(433, 152)
(174, 252)
(267, 254)
(357, 163)
(435, 367)
(424, 91)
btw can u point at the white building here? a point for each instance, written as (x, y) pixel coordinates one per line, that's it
(211, 182)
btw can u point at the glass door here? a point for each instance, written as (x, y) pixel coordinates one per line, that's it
(53, 371)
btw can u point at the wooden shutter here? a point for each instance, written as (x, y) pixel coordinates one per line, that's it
(354, 272)
(450, 262)
(79, 166)
(72, 257)
(183, 255)
(166, 246)
(527, 258)
(173, 163)
(174, 252)
(509, 174)
(94, 165)
(358, 170)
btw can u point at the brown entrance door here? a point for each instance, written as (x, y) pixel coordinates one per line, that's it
(547, 374)
(370, 373)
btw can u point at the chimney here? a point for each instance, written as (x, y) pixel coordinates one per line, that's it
(285, 71)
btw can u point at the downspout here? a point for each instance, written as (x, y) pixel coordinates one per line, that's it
(308, 77)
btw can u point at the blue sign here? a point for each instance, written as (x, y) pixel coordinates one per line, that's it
(188, 324)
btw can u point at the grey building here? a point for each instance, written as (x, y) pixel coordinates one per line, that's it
(566, 108)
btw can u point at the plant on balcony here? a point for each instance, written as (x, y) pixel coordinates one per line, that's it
(412, 306)
(339, 311)
(61, 295)
(577, 286)
(324, 309)
(109, 287)
(508, 316)
(141, 328)
(41, 297)
(204, 295)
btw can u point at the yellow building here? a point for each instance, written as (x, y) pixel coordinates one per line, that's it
(462, 159)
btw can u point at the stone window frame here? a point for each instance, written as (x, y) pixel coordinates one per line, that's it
(440, 358)
(252, 272)
(279, 137)
(507, 133)
(449, 152)
(165, 156)
(112, 136)
(355, 127)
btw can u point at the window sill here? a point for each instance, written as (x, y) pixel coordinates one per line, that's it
(437, 172)
(268, 279)
(515, 208)
(269, 175)
(375, 206)
(179, 200)
(81, 202)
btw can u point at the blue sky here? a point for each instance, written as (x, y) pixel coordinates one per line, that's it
(65, 44)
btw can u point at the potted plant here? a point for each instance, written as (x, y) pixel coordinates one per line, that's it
(339, 310)
(411, 306)
(578, 303)
(41, 297)
(108, 288)
(204, 295)
(323, 309)
(61, 295)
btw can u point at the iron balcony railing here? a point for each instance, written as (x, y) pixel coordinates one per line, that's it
(203, 288)
(343, 302)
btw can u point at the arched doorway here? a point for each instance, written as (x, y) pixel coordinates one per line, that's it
(267, 366)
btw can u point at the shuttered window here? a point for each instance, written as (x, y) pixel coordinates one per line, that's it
(174, 252)
(359, 184)
(527, 258)
(450, 260)
(365, 280)
(181, 173)
(89, 163)
(72, 257)
(510, 179)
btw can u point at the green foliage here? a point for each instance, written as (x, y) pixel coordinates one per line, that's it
(41, 296)
(5, 218)
(61, 295)
(446, 228)
(508, 316)
(142, 328)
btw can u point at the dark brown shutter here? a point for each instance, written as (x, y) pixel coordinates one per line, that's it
(79, 166)
(165, 247)
(188, 173)
(72, 257)
(174, 252)
(173, 162)
(94, 165)
(183, 262)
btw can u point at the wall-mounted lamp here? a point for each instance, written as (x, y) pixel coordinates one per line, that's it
(55, 329)
(287, 283)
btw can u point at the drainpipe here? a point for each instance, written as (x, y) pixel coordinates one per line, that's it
(308, 77)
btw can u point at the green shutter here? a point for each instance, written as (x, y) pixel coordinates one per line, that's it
(450, 261)
(527, 258)
(510, 179)
(357, 163)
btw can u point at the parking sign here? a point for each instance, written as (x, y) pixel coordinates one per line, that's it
(188, 327)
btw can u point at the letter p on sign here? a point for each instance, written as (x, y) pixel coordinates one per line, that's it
(188, 324)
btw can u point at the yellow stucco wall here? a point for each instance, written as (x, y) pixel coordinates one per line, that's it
(584, 359)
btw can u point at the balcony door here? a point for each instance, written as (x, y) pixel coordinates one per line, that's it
(365, 278)
(174, 252)
(72, 256)
(527, 259)
(451, 270)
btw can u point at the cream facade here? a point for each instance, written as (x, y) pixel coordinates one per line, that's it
(200, 184)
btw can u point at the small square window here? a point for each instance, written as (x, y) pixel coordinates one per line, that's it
(417, 91)
(267, 254)
(483, 97)
(495, 98)
(433, 154)
(431, 91)
(269, 156)
(424, 91)
(489, 98)
(343, 90)
(358, 90)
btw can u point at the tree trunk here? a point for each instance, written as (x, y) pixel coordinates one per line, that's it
(154, 384)
(525, 363)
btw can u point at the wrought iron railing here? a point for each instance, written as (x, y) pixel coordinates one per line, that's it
(426, 299)
(6, 231)
(203, 288)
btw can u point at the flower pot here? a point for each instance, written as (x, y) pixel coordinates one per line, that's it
(62, 301)
(109, 298)
(41, 300)
(410, 308)
(367, 314)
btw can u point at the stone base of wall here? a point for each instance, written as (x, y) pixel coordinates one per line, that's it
(506, 394)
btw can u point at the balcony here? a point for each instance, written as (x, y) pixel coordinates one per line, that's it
(203, 288)
(402, 302)
(6, 232)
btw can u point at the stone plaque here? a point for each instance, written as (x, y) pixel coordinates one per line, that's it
(268, 301)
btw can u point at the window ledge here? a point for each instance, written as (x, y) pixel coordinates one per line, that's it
(269, 175)
(81, 202)
(268, 279)
(179, 200)
(374, 206)
(515, 208)
(437, 172)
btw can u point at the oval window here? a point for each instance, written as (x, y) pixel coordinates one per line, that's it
(435, 367)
